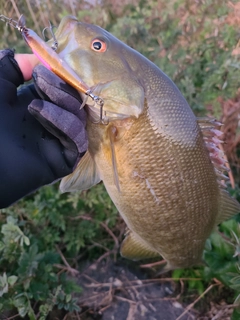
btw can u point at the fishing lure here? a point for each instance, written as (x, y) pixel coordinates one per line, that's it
(53, 62)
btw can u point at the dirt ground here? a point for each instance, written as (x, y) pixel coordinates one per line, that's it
(122, 291)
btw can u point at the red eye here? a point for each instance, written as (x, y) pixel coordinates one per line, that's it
(99, 45)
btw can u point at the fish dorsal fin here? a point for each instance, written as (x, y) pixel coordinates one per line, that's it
(135, 249)
(83, 177)
(211, 135)
(112, 132)
(229, 207)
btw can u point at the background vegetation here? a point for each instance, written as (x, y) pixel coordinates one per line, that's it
(47, 234)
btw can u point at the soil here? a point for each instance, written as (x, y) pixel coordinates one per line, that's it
(122, 291)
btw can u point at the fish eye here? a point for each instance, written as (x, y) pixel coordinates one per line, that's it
(99, 45)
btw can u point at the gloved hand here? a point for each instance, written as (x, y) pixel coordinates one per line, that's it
(34, 152)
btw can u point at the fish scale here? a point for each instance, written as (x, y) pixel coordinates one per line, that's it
(151, 153)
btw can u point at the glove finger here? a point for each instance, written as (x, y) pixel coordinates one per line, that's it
(56, 89)
(64, 125)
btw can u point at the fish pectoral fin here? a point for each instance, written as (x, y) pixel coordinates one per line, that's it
(112, 133)
(135, 249)
(83, 177)
(229, 207)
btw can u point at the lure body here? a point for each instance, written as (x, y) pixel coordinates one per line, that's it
(52, 61)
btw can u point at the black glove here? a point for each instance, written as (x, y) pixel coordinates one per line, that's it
(33, 154)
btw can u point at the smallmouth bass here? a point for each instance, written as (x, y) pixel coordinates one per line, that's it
(160, 164)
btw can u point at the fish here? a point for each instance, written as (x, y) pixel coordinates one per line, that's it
(160, 164)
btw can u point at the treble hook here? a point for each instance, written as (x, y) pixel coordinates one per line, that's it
(54, 46)
(99, 101)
